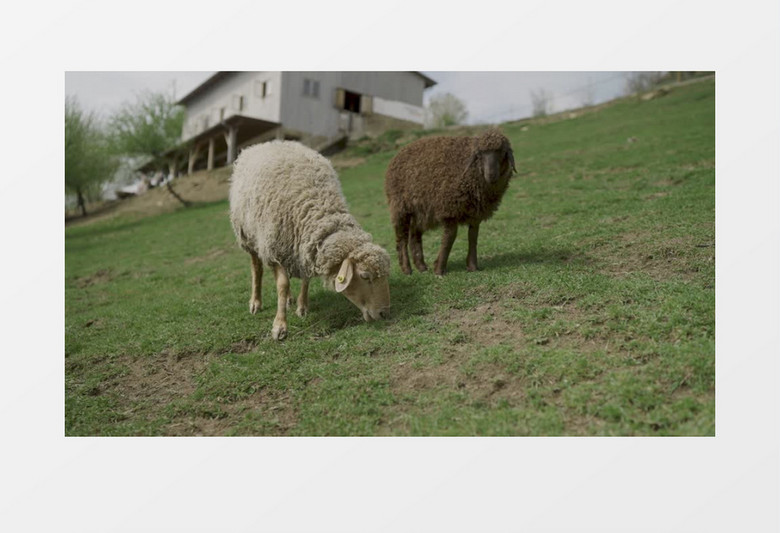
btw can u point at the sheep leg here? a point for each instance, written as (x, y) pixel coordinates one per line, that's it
(471, 258)
(290, 299)
(450, 232)
(415, 243)
(303, 298)
(256, 299)
(279, 330)
(401, 237)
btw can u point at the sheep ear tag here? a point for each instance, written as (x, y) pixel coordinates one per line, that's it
(344, 276)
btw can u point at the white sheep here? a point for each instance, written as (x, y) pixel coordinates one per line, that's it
(288, 213)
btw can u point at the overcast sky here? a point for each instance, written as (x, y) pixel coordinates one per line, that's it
(490, 97)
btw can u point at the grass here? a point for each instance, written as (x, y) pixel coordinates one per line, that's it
(593, 312)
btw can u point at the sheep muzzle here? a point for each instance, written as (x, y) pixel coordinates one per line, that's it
(371, 296)
(491, 166)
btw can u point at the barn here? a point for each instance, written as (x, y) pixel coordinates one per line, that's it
(231, 110)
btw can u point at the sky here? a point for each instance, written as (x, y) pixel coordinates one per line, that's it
(490, 97)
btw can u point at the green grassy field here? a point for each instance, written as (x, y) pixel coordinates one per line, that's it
(593, 312)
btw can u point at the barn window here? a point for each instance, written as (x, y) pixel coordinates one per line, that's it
(262, 88)
(311, 88)
(238, 102)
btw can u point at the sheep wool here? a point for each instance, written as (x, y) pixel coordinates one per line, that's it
(426, 179)
(446, 181)
(287, 207)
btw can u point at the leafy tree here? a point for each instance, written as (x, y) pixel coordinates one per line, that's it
(148, 127)
(446, 110)
(88, 161)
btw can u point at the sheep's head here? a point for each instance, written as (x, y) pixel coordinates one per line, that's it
(363, 279)
(493, 154)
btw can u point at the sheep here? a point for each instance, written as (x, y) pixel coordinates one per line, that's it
(288, 212)
(446, 181)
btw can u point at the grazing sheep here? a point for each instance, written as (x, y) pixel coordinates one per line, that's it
(446, 181)
(288, 212)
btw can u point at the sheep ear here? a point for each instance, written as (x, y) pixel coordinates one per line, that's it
(512, 160)
(344, 276)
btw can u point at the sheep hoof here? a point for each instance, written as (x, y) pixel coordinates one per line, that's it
(279, 332)
(301, 311)
(472, 268)
(255, 306)
(422, 268)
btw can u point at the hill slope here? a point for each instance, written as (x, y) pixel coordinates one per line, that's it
(593, 312)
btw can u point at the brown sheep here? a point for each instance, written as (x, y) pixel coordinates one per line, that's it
(446, 181)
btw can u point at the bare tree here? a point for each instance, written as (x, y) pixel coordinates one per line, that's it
(88, 160)
(541, 102)
(640, 82)
(445, 110)
(588, 95)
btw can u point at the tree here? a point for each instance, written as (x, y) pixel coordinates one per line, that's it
(88, 161)
(148, 127)
(446, 110)
(588, 95)
(640, 82)
(541, 102)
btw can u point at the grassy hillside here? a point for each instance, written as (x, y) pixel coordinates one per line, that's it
(593, 314)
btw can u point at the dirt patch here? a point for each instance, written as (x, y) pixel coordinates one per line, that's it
(212, 254)
(145, 385)
(656, 195)
(199, 187)
(632, 253)
(482, 326)
(485, 326)
(274, 407)
(242, 346)
(409, 378)
(490, 384)
(101, 276)
(343, 162)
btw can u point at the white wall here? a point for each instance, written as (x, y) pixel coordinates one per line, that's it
(400, 93)
(396, 94)
(399, 110)
(203, 111)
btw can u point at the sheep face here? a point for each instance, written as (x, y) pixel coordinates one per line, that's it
(494, 165)
(371, 294)
(491, 165)
(493, 156)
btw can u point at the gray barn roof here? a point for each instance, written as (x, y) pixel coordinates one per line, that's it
(222, 74)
